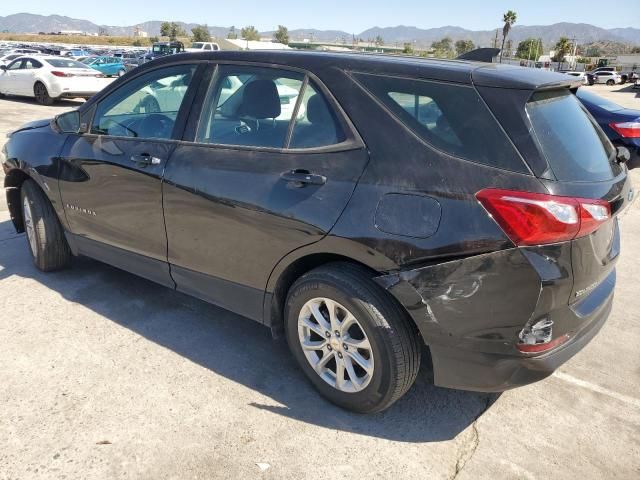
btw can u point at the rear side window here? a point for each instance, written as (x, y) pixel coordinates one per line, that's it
(268, 108)
(452, 118)
(574, 146)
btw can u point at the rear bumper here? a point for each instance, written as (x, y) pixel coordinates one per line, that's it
(486, 372)
(470, 313)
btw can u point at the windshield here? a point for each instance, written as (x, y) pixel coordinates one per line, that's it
(597, 100)
(62, 63)
(573, 144)
(165, 49)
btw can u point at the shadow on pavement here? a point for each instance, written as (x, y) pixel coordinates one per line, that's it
(62, 103)
(240, 349)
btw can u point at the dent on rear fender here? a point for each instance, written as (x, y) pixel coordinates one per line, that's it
(485, 297)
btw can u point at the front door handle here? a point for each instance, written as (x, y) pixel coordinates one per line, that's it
(145, 159)
(302, 177)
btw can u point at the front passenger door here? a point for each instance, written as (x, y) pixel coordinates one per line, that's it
(110, 178)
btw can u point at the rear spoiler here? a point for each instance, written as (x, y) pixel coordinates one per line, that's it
(480, 55)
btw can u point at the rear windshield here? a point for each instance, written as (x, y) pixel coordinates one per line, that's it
(574, 145)
(61, 63)
(450, 117)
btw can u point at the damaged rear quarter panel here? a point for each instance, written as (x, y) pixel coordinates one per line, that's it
(483, 300)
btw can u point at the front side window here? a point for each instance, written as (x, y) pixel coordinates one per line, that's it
(146, 107)
(451, 117)
(15, 65)
(249, 106)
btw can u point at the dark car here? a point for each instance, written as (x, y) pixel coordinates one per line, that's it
(162, 49)
(390, 206)
(621, 125)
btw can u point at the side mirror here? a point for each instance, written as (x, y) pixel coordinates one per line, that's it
(68, 122)
(3, 67)
(623, 155)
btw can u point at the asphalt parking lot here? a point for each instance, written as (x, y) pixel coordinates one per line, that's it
(106, 375)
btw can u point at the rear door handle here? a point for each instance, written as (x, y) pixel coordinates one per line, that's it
(145, 159)
(303, 177)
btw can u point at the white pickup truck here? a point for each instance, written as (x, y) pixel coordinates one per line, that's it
(203, 47)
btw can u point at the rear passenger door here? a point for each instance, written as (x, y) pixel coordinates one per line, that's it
(268, 165)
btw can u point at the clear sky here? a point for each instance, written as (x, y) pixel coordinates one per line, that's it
(352, 16)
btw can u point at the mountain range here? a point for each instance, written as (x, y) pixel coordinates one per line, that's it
(582, 32)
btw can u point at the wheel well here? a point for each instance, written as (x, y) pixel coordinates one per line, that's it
(13, 183)
(304, 265)
(290, 275)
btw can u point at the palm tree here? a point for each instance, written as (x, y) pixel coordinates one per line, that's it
(509, 19)
(562, 48)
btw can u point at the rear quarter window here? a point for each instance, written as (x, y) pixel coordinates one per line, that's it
(450, 117)
(575, 147)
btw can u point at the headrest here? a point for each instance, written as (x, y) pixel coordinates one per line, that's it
(260, 99)
(318, 110)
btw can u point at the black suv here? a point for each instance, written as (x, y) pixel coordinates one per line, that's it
(369, 208)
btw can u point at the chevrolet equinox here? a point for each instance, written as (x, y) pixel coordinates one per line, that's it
(368, 208)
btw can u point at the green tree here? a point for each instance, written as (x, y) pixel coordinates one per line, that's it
(250, 33)
(531, 49)
(407, 48)
(282, 35)
(464, 46)
(154, 39)
(509, 19)
(562, 47)
(379, 41)
(232, 35)
(635, 50)
(172, 30)
(443, 48)
(165, 29)
(201, 33)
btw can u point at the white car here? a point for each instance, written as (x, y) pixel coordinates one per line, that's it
(581, 75)
(50, 78)
(203, 47)
(608, 78)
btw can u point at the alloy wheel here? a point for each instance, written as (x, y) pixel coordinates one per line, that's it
(335, 345)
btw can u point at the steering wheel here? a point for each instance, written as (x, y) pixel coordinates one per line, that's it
(155, 125)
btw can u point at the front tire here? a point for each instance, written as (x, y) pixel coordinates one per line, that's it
(121, 72)
(45, 236)
(351, 339)
(42, 94)
(610, 83)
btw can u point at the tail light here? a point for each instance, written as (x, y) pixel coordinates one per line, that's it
(536, 218)
(58, 73)
(627, 129)
(538, 338)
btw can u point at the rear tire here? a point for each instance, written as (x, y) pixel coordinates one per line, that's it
(45, 235)
(42, 94)
(387, 364)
